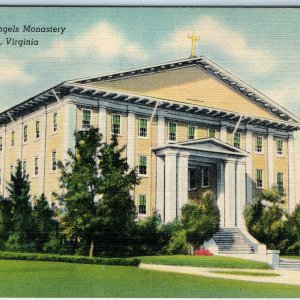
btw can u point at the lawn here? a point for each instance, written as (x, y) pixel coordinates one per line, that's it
(204, 261)
(290, 256)
(55, 279)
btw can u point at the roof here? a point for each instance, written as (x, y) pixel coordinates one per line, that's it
(89, 87)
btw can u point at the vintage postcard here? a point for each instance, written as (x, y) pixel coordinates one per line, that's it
(149, 152)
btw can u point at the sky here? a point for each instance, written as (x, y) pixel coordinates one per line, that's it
(259, 45)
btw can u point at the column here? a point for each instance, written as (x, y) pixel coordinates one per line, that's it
(42, 155)
(223, 133)
(230, 193)
(170, 186)
(291, 175)
(102, 117)
(249, 180)
(270, 152)
(161, 130)
(69, 127)
(182, 181)
(160, 187)
(131, 140)
(220, 193)
(240, 193)
(4, 149)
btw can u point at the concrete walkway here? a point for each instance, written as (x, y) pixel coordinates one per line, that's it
(286, 276)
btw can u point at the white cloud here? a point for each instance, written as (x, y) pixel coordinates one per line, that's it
(102, 40)
(228, 41)
(13, 70)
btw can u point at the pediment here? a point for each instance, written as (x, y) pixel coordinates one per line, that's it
(206, 145)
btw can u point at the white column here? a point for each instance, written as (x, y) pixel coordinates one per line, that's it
(270, 159)
(161, 130)
(170, 186)
(69, 127)
(20, 129)
(249, 180)
(160, 187)
(291, 175)
(230, 193)
(240, 193)
(102, 119)
(223, 133)
(182, 181)
(42, 155)
(220, 193)
(131, 140)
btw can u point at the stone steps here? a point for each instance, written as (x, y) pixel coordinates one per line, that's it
(289, 263)
(232, 241)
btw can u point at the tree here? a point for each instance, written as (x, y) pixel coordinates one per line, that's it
(99, 209)
(45, 225)
(265, 219)
(200, 219)
(22, 234)
(5, 220)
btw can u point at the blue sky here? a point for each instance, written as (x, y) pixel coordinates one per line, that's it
(259, 45)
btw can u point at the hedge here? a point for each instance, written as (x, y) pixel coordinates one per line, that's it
(70, 259)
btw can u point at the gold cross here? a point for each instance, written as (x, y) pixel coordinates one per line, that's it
(195, 38)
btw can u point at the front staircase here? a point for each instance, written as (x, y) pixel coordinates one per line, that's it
(285, 263)
(232, 241)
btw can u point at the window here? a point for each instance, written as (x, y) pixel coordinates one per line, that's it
(259, 143)
(1, 143)
(279, 146)
(142, 205)
(37, 129)
(54, 122)
(237, 140)
(116, 124)
(191, 132)
(143, 130)
(86, 118)
(211, 133)
(12, 142)
(172, 132)
(25, 134)
(24, 167)
(36, 166)
(280, 182)
(143, 165)
(54, 163)
(192, 179)
(205, 177)
(259, 178)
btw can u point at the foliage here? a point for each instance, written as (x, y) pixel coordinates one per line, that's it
(99, 210)
(22, 232)
(70, 259)
(200, 219)
(265, 219)
(292, 228)
(45, 226)
(5, 220)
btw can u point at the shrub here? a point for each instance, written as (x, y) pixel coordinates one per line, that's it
(177, 243)
(70, 259)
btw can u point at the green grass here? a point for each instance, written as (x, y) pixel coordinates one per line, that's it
(55, 279)
(204, 261)
(244, 273)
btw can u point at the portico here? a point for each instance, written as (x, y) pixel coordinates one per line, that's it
(225, 162)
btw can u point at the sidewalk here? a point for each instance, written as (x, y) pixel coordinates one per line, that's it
(286, 276)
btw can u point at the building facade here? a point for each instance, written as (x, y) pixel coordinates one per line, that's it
(188, 126)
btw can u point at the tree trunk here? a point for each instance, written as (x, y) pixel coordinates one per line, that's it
(91, 253)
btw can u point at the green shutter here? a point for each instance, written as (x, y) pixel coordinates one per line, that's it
(143, 123)
(142, 199)
(143, 161)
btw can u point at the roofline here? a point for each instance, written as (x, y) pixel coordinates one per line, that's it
(211, 69)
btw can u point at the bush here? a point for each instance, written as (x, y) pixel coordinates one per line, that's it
(177, 243)
(70, 259)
